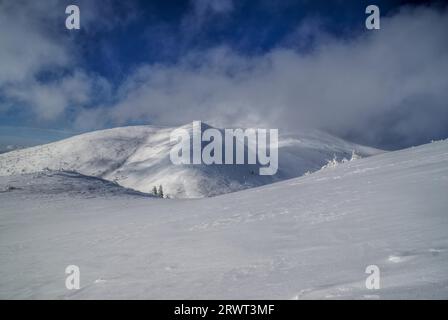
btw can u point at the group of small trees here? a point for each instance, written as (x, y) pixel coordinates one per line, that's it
(334, 162)
(158, 192)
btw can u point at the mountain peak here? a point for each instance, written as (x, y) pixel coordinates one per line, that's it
(137, 157)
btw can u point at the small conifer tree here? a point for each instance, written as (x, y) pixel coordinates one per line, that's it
(160, 192)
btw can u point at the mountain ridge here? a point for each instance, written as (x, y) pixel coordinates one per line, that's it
(137, 157)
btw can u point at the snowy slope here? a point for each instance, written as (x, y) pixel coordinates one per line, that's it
(138, 158)
(308, 237)
(65, 183)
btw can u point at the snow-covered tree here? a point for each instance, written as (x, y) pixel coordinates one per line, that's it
(160, 192)
(331, 163)
(355, 156)
(154, 190)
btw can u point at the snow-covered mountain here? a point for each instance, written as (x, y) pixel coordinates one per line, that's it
(137, 157)
(307, 237)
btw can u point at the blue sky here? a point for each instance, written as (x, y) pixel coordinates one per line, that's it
(164, 31)
(286, 64)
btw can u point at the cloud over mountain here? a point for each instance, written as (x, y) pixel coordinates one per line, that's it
(386, 88)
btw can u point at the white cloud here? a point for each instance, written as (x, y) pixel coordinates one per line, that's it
(369, 87)
(31, 44)
(24, 50)
(50, 100)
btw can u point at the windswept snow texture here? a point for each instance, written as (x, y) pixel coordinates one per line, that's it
(138, 157)
(308, 237)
